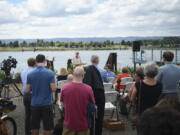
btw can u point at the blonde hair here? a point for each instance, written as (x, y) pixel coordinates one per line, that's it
(63, 71)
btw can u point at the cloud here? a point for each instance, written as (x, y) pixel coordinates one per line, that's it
(56, 8)
(10, 13)
(83, 18)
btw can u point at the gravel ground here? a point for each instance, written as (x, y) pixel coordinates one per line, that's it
(19, 114)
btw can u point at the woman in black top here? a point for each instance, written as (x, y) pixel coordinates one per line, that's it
(147, 92)
(63, 74)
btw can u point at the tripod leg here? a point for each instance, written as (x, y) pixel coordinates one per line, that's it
(5, 92)
(18, 89)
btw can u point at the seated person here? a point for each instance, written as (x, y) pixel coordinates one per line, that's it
(139, 76)
(109, 71)
(147, 92)
(123, 75)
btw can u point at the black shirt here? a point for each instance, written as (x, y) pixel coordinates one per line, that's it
(61, 77)
(149, 95)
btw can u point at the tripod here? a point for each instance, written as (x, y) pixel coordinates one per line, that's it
(5, 91)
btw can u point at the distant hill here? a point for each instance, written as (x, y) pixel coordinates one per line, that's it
(88, 39)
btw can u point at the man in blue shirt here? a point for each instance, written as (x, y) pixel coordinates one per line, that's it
(27, 96)
(169, 75)
(41, 82)
(103, 73)
(109, 73)
(101, 70)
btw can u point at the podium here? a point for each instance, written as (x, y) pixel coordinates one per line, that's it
(77, 65)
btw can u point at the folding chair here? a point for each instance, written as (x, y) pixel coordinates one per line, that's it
(111, 80)
(127, 88)
(125, 81)
(110, 102)
(108, 86)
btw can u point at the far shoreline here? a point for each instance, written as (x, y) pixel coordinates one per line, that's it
(26, 49)
(19, 49)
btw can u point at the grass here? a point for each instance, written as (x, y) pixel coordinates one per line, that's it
(2, 76)
(60, 49)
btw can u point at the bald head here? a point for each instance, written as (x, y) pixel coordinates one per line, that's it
(70, 78)
(78, 73)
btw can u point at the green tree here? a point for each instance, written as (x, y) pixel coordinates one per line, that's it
(24, 44)
(51, 43)
(16, 44)
(128, 43)
(123, 42)
(40, 43)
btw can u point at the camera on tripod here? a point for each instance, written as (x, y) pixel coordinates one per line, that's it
(7, 64)
(8, 82)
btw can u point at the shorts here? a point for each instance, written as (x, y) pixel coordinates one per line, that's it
(67, 131)
(44, 113)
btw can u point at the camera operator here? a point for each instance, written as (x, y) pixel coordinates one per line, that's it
(27, 96)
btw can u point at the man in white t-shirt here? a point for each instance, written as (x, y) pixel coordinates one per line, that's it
(76, 60)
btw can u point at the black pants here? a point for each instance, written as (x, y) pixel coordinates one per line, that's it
(100, 103)
(27, 105)
(43, 113)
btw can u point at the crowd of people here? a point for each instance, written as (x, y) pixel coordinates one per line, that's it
(154, 93)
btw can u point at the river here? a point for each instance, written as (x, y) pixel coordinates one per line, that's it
(124, 57)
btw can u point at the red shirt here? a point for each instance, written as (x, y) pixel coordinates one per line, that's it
(76, 97)
(119, 80)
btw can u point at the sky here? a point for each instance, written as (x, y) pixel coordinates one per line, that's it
(29, 19)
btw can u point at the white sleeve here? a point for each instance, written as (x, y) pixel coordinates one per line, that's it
(80, 60)
(73, 61)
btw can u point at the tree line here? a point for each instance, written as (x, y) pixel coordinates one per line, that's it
(42, 43)
(165, 42)
(169, 42)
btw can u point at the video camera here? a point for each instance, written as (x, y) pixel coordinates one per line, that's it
(7, 64)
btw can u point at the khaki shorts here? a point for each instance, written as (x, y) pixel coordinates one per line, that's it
(67, 131)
